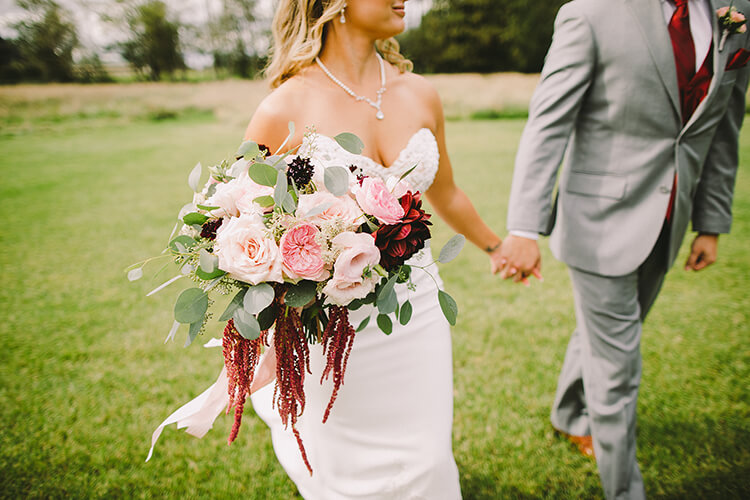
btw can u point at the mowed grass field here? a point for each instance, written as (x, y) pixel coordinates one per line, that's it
(91, 181)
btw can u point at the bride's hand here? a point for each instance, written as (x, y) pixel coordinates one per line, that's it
(519, 258)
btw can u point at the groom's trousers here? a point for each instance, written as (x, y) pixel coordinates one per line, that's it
(597, 390)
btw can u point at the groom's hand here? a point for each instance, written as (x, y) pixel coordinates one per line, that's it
(703, 252)
(519, 259)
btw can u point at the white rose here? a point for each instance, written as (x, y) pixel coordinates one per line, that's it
(236, 197)
(337, 207)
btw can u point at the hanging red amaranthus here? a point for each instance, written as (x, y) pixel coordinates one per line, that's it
(338, 339)
(240, 358)
(292, 361)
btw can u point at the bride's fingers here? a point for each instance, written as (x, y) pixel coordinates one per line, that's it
(537, 274)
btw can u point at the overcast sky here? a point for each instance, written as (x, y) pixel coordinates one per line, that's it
(94, 33)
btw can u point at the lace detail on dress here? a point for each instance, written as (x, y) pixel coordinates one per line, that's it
(421, 150)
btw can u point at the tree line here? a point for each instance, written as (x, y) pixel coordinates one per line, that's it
(454, 36)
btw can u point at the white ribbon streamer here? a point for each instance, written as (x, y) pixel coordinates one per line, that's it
(199, 414)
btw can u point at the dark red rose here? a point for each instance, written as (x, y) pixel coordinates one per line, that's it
(398, 242)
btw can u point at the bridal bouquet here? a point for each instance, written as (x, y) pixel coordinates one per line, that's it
(299, 246)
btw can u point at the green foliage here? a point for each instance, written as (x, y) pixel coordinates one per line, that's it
(43, 50)
(231, 36)
(154, 49)
(483, 36)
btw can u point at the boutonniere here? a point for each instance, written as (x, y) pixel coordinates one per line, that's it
(730, 22)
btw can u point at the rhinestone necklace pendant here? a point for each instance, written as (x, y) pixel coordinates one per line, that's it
(375, 104)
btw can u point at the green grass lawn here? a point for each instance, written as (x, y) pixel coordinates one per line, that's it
(85, 377)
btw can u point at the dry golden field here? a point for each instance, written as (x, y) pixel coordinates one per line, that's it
(230, 101)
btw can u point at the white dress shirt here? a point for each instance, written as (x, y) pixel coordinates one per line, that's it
(702, 31)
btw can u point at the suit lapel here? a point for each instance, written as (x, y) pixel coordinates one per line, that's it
(653, 28)
(720, 62)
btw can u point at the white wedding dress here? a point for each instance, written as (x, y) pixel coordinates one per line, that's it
(389, 433)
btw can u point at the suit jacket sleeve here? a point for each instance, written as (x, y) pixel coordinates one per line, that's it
(712, 204)
(565, 78)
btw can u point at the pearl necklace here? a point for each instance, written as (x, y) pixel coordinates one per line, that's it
(375, 104)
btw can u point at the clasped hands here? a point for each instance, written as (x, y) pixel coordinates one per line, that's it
(518, 258)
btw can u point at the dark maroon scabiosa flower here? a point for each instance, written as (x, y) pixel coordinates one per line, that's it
(398, 242)
(209, 228)
(300, 171)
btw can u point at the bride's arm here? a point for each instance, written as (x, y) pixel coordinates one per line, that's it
(269, 124)
(449, 201)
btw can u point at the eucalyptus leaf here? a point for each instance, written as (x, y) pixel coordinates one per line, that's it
(257, 298)
(195, 177)
(451, 249)
(249, 150)
(288, 204)
(280, 191)
(336, 180)
(191, 306)
(235, 304)
(194, 218)
(363, 324)
(172, 331)
(385, 324)
(208, 261)
(164, 285)
(405, 314)
(318, 209)
(135, 274)
(264, 201)
(449, 307)
(301, 294)
(267, 317)
(193, 332)
(246, 324)
(350, 142)
(207, 208)
(263, 174)
(187, 269)
(211, 191)
(216, 273)
(184, 241)
(405, 174)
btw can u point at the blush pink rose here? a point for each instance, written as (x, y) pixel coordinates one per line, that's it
(358, 254)
(337, 207)
(237, 197)
(736, 17)
(376, 199)
(722, 11)
(301, 254)
(246, 253)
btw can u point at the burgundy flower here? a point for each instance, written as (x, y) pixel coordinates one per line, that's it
(398, 242)
(209, 228)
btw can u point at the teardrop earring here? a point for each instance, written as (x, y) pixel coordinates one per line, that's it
(342, 19)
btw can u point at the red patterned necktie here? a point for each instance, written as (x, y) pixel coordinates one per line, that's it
(684, 58)
(682, 44)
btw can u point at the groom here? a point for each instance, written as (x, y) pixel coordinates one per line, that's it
(641, 101)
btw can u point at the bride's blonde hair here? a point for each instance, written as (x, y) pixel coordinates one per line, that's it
(299, 30)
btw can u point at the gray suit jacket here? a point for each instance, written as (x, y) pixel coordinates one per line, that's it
(607, 107)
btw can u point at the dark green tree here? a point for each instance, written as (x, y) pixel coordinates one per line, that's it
(232, 35)
(484, 36)
(45, 42)
(153, 49)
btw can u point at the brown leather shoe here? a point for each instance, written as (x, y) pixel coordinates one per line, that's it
(585, 444)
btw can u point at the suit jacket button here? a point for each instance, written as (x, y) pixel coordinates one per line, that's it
(665, 189)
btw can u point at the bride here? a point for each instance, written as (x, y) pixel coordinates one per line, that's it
(336, 68)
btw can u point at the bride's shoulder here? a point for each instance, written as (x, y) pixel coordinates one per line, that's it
(269, 123)
(418, 89)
